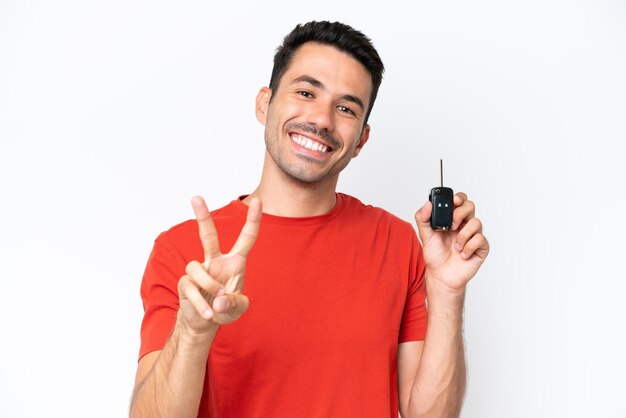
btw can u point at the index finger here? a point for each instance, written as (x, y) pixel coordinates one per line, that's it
(422, 219)
(250, 230)
(459, 198)
(206, 228)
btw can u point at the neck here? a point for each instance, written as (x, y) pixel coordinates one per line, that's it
(283, 195)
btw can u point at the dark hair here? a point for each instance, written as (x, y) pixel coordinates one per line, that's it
(338, 35)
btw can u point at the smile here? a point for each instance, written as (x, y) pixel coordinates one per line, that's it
(308, 143)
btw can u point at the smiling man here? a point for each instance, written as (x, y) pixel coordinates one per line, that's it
(332, 321)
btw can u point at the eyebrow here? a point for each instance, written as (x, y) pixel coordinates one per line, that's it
(318, 84)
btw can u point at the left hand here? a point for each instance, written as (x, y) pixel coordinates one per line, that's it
(453, 257)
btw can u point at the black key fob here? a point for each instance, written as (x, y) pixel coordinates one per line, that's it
(441, 198)
(443, 205)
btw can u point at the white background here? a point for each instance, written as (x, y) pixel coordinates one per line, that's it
(113, 114)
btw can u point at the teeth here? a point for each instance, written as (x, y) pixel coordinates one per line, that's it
(309, 144)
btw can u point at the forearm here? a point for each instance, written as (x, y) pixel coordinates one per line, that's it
(174, 385)
(439, 384)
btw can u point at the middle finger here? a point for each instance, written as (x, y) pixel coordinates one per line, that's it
(462, 214)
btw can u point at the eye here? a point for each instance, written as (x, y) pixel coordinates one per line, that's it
(305, 93)
(346, 109)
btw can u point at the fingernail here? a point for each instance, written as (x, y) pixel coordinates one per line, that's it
(207, 314)
(458, 246)
(220, 292)
(222, 305)
(463, 255)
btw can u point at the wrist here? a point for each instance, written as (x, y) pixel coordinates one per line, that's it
(444, 299)
(189, 338)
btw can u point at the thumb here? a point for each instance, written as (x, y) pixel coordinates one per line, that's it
(234, 304)
(422, 219)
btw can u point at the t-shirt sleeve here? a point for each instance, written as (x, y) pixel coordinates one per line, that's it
(415, 315)
(159, 293)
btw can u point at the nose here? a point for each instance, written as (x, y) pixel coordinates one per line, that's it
(321, 114)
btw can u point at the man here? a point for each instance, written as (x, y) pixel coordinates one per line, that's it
(335, 295)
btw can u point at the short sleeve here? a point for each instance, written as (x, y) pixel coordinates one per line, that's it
(415, 315)
(159, 293)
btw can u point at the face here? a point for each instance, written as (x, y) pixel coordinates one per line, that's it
(314, 124)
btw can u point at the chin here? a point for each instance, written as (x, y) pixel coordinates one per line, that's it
(307, 178)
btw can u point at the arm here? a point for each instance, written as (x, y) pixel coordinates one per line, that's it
(432, 373)
(170, 382)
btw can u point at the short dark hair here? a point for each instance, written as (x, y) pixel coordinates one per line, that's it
(338, 35)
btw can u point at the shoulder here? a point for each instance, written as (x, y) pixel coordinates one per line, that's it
(178, 232)
(365, 213)
(184, 236)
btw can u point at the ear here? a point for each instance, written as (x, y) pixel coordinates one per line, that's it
(365, 134)
(262, 104)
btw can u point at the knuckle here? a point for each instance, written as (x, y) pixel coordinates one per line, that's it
(215, 269)
(249, 236)
(183, 283)
(208, 235)
(464, 235)
(475, 242)
(211, 286)
(191, 267)
(253, 221)
(202, 216)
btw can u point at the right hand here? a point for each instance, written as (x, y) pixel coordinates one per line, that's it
(210, 292)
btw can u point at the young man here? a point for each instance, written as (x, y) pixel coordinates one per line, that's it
(335, 291)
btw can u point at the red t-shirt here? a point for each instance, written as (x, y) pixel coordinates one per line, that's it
(331, 297)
